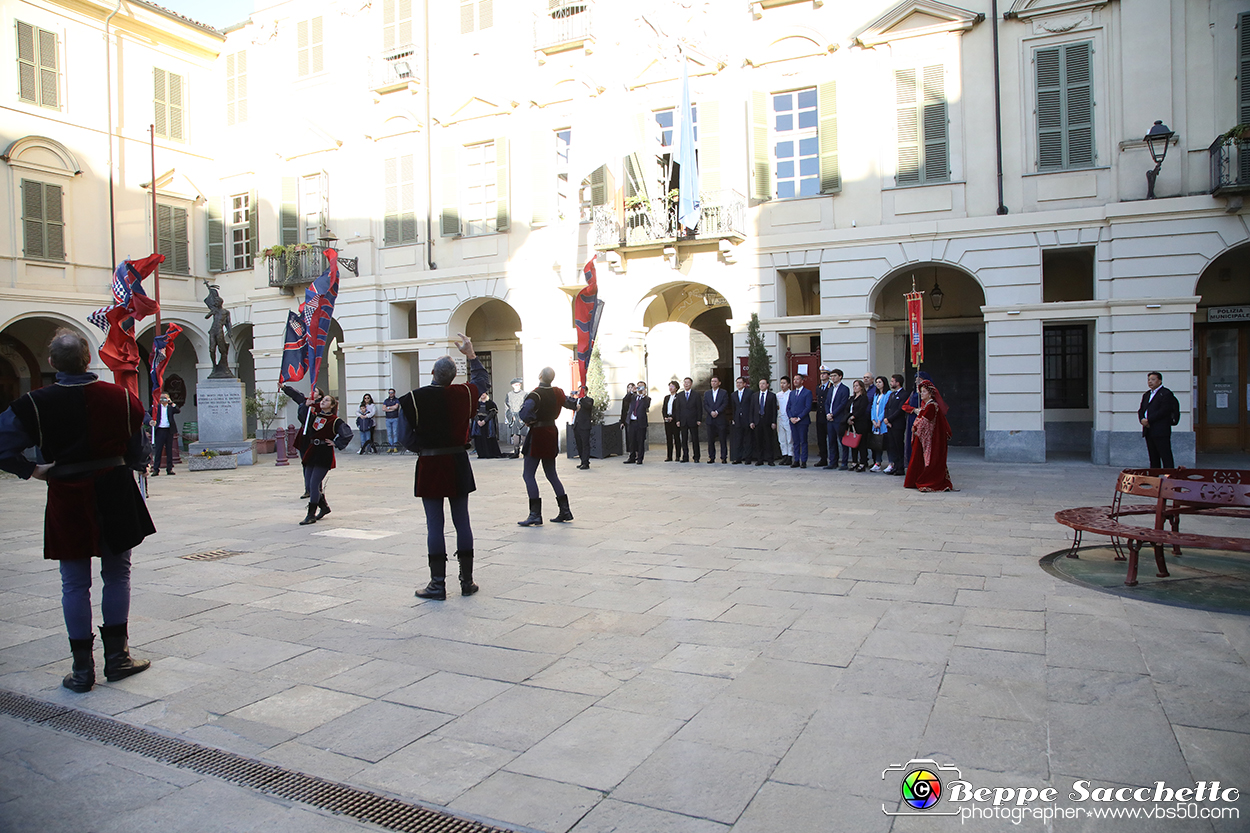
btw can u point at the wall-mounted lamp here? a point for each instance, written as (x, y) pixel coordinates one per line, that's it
(936, 296)
(1157, 141)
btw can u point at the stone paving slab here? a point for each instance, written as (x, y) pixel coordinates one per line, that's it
(703, 649)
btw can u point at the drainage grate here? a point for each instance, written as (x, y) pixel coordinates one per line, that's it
(341, 799)
(212, 555)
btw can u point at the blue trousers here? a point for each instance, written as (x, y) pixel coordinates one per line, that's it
(434, 524)
(392, 432)
(798, 441)
(314, 478)
(76, 593)
(549, 469)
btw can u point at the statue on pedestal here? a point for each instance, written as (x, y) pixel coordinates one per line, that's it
(218, 341)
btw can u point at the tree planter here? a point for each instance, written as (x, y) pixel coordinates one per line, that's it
(219, 463)
(605, 441)
(265, 447)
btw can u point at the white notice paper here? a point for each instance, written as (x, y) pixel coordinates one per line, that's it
(1221, 400)
(803, 369)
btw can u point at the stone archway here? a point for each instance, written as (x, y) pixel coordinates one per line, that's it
(1221, 349)
(687, 334)
(182, 372)
(24, 343)
(493, 325)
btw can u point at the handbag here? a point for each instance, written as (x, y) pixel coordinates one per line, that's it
(876, 441)
(851, 439)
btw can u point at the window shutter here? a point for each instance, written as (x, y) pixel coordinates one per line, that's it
(160, 98)
(934, 125)
(253, 227)
(544, 178)
(388, 25)
(399, 224)
(1243, 68)
(54, 222)
(636, 179)
(709, 147)
(599, 186)
(390, 211)
(48, 86)
(407, 199)
(1049, 109)
(466, 16)
(403, 23)
(182, 252)
(827, 133)
(301, 48)
(1079, 104)
(216, 236)
(485, 14)
(236, 88)
(761, 153)
(323, 205)
(908, 171)
(175, 106)
(288, 216)
(450, 223)
(32, 217)
(316, 64)
(27, 74)
(165, 234)
(502, 218)
(231, 88)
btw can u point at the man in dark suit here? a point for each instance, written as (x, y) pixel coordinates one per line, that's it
(799, 414)
(1159, 411)
(741, 402)
(636, 424)
(669, 410)
(896, 424)
(716, 410)
(583, 408)
(820, 402)
(626, 403)
(689, 418)
(764, 423)
(837, 410)
(165, 430)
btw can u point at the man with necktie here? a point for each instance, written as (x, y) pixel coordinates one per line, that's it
(764, 424)
(1159, 411)
(741, 401)
(636, 427)
(821, 403)
(837, 410)
(164, 430)
(799, 415)
(716, 407)
(689, 418)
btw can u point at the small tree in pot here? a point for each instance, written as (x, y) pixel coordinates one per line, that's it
(265, 409)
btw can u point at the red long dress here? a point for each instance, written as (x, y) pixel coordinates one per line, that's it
(927, 469)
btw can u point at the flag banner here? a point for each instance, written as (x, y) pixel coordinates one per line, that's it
(162, 352)
(318, 309)
(294, 348)
(125, 277)
(587, 311)
(689, 210)
(915, 326)
(119, 352)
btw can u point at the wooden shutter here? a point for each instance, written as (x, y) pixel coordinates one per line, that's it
(450, 221)
(636, 179)
(827, 133)
(236, 88)
(388, 25)
(599, 186)
(308, 47)
(485, 14)
(709, 147)
(467, 16)
(288, 215)
(37, 73)
(400, 218)
(396, 24)
(27, 64)
(32, 218)
(160, 97)
(54, 222)
(933, 122)
(253, 227)
(908, 170)
(761, 153)
(48, 74)
(175, 106)
(1078, 98)
(502, 217)
(316, 63)
(216, 236)
(403, 23)
(165, 234)
(542, 164)
(1243, 68)
(182, 253)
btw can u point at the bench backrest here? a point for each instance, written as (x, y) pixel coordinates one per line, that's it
(1204, 494)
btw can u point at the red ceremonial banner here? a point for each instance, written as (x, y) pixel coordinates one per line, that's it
(915, 326)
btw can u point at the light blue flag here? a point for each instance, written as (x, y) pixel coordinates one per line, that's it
(688, 203)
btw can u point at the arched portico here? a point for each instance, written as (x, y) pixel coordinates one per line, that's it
(1221, 347)
(687, 333)
(493, 325)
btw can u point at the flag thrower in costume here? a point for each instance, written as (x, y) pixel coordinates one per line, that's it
(587, 310)
(688, 203)
(119, 352)
(318, 308)
(294, 349)
(162, 352)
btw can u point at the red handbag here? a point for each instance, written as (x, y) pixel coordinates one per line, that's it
(851, 439)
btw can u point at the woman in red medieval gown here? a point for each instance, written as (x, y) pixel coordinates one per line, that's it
(927, 469)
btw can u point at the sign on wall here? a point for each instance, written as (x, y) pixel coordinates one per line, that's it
(1227, 314)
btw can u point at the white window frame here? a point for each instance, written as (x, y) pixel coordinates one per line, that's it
(478, 189)
(241, 252)
(796, 134)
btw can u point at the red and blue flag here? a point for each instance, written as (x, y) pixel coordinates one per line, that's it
(318, 310)
(294, 349)
(162, 352)
(587, 310)
(119, 352)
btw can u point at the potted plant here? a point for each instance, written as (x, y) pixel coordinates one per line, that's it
(265, 409)
(605, 440)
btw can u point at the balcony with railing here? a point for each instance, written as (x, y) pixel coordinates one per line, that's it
(1230, 164)
(565, 25)
(395, 69)
(654, 223)
(295, 265)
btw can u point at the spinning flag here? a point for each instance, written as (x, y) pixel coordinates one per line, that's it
(119, 351)
(688, 203)
(294, 349)
(162, 352)
(587, 310)
(318, 310)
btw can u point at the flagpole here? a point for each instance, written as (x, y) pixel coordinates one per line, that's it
(156, 245)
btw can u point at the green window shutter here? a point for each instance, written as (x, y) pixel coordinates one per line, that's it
(48, 75)
(288, 216)
(407, 199)
(390, 212)
(27, 64)
(301, 48)
(1243, 68)
(1065, 106)
(182, 249)
(934, 125)
(1078, 99)
(253, 227)
(599, 186)
(403, 23)
(543, 166)
(502, 218)
(165, 234)
(216, 236)
(37, 70)
(467, 16)
(54, 222)
(399, 224)
(827, 133)
(485, 14)
(32, 218)
(709, 147)
(160, 97)
(1046, 67)
(908, 170)
(175, 106)
(388, 25)
(761, 153)
(316, 62)
(635, 178)
(450, 221)
(231, 87)
(236, 88)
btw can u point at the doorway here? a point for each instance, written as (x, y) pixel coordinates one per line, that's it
(1223, 355)
(951, 360)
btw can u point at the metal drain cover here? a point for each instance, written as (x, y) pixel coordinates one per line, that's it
(212, 555)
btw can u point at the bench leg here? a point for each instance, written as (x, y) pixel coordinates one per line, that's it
(1076, 543)
(1176, 527)
(1117, 548)
(1163, 567)
(1133, 548)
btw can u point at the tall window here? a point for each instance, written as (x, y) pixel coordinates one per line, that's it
(796, 146)
(399, 225)
(1066, 363)
(38, 77)
(239, 231)
(666, 121)
(1065, 106)
(309, 50)
(43, 220)
(396, 24)
(920, 96)
(476, 15)
(236, 87)
(171, 239)
(480, 183)
(167, 94)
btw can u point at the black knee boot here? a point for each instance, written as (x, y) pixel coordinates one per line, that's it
(437, 588)
(323, 508)
(118, 663)
(82, 678)
(565, 515)
(536, 513)
(311, 517)
(467, 587)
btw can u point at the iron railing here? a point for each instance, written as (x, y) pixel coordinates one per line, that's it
(655, 223)
(297, 266)
(565, 25)
(1230, 165)
(394, 68)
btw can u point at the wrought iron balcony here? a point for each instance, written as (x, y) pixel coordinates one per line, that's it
(395, 69)
(296, 265)
(655, 223)
(1230, 165)
(565, 25)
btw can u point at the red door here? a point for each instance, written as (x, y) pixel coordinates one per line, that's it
(809, 365)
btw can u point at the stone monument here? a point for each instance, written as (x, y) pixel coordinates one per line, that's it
(219, 398)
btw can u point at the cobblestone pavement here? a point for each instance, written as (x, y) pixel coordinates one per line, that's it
(704, 648)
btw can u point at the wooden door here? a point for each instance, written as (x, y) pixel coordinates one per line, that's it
(1221, 423)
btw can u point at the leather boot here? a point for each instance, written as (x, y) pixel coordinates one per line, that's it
(117, 661)
(565, 515)
(311, 518)
(536, 513)
(437, 588)
(467, 587)
(82, 678)
(323, 508)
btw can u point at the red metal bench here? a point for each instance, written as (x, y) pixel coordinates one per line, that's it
(1172, 494)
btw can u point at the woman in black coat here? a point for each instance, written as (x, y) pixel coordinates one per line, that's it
(861, 423)
(485, 429)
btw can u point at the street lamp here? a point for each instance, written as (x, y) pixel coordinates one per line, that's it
(936, 296)
(1157, 141)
